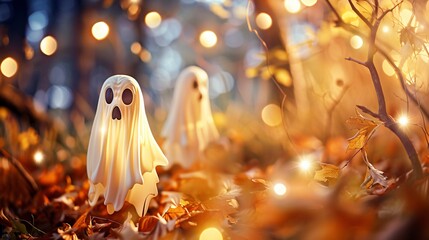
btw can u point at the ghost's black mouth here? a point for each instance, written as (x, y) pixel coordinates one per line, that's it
(200, 97)
(116, 113)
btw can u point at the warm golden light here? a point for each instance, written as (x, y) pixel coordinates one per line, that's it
(279, 189)
(292, 6)
(145, 55)
(48, 45)
(387, 68)
(136, 48)
(211, 233)
(385, 29)
(403, 120)
(100, 30)
(208, 39)
(271, 115)
(9, 67)
(308, 3)
(356, 42)
(305, 164)
(38, 157)
(263, 21)
(406, 15)
(152, 19)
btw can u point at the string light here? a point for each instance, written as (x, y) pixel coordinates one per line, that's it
(211, 233)
(48, 45)
(279, 189)
(271, 115)
(403, 120)
(9, 67)
(38, 157)
(152, 19)
(263, 21)
(356, 42)
(208, 39)
(292, 6)
(100, 30)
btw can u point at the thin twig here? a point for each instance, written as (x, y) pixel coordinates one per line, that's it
(356, 61)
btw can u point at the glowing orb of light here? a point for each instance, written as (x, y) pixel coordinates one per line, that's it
(100, 30)
(271, 115)
(208, 39)
(9, 67)
(279, 189)
(356, 42)
(48, 45)
(152, 19)
(211, 233)
(263, 21)
(403, 120)
(38, 157)
(292, 6)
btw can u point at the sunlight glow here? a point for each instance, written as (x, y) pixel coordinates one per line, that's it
(100, 30)
(9, 67)
(304, 164)
(403, 120)
(279, 189)
(211, 233)
(292, 6)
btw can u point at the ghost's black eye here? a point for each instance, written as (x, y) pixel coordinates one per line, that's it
(195, 85)
(109, 95)
(127, 96)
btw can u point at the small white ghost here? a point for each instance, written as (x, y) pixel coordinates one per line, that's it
(189, 127)
(122, 152)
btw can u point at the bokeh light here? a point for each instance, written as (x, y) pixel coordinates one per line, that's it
(152, 19)
(136, 48)
(387, 68)
(308, 3)
(211, 233)
(279, 189)
(292, 6)
(9, 67)
(208, 39)
(271, 115)
(48, 45)
(264, 21)
(100, 30)
(38, 157)
(356, 42)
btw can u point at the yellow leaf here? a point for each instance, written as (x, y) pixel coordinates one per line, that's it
(327, 171)
(358, 122)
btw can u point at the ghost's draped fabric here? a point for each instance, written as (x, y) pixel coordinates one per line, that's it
(122, 152)
(189, 127)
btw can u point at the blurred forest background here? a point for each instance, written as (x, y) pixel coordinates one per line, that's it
(281, 91)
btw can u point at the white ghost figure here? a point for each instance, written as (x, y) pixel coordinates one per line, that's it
(122, 152)
(189, 127)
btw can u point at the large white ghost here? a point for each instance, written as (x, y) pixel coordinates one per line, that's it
(189, 127)
(122, 152)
